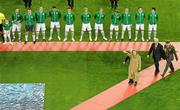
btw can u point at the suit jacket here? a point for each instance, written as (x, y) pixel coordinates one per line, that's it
(157, 52)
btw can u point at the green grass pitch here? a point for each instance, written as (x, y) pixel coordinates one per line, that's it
(72, 77)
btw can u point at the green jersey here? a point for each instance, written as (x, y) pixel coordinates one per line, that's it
(7, 26)
(126, 18)
(40, 17)
(140, 16)
(86, 18)
(69, 18)
(99, 17)
(29, 19)
(17, 18)
(115, 19)
(55, 15)
(153, 18)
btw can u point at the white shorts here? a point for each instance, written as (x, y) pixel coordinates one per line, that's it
(16, 27)
(114, 27)
(152, 27)
(54, 24)
(7, 33)
(99, 27)
(40, 26)
(124, 27)
(69, 27)
(86, 27)
(139, 27)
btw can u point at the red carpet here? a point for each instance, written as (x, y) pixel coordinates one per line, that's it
(122, 91)
(75, 46)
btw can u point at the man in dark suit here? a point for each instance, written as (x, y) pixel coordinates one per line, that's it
(114, 4)
(157, 53)
(71, 3)
(27, 3)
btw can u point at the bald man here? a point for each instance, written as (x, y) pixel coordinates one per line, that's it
(157, 53)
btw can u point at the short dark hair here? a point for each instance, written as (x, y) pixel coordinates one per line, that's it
(153, 8)
(168, 41)
(139, 7)
(53, 6)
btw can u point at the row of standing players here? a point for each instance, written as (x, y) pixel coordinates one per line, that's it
(158, 52)
(40, 17)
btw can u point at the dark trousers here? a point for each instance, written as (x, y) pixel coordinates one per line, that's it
(71, 3)
(156, 63)
(1, 32)
(27, 4)
(114, 3)
(168, 65)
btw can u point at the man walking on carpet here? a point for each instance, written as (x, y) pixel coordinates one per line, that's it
(157, 53)
(134, 67)
(170, 52)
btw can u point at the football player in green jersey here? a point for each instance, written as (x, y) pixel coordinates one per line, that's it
(99, 19)
(115, 19)
(86, 25)
(40, 23)
(55, 22)
(153, 19)
(7, 31)
(17, 18)
(29, 19)
(69, 18)
(140, 17)
(126, 23)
